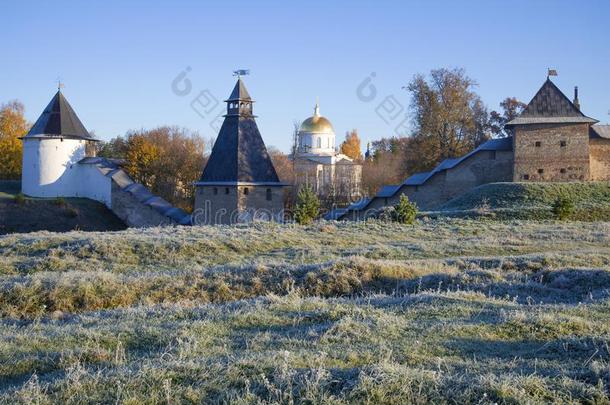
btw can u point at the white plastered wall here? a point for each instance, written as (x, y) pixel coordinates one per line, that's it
(51, 169)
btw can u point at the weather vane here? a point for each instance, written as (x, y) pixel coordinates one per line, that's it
(241, 72)
(551, 72)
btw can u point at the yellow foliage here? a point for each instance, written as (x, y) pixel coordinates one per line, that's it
(141, 155)
(351, 146)
(167, 160)
(12, 126)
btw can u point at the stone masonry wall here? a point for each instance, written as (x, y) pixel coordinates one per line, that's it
(261, 202)
(135, 214)
(600, 159)
(232, 204)
(551, 152)
(481, 168)
(427, 195)
(214, 205)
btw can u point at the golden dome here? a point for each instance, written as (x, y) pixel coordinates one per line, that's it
(316, 123)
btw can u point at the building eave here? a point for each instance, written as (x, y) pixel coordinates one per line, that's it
(241, 183)
(52, 136)
(550, 120)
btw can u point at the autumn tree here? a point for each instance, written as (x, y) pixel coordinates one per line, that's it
(386, 164)
(167, 160)
(511, 108)
(284, 166)
(141, 155)
(12, 126)
(449, 118)
(351, 146)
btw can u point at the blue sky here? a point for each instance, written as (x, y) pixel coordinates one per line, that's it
(118, 59)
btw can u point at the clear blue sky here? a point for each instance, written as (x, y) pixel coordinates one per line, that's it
(118, 59)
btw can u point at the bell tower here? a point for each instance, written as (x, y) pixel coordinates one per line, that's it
(239, 182)
(239, 102)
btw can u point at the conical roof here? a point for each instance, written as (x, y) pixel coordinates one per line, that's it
(239, 154)
(239, 92)
(550, 106)
(59, 120)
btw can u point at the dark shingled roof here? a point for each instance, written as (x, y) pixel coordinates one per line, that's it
(239, 92)
(59, 120)
(550, 106)
(239, 153)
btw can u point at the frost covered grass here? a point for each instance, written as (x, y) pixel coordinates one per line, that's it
(443, 311)
(531, 201)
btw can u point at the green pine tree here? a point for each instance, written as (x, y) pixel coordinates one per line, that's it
(307, 207)
(406, 211)
(563, 208)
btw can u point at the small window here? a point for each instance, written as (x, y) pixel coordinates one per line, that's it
(215, 190)
(562, 170)
(269, 195)
(492, 155)
(540, 171)
(538, 144)
(246, 191)
(526, 177)
(563, 144)
(226, 190)
(385, 201)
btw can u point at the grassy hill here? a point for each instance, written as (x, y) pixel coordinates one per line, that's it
(23, 214)
(446, 311)
(532, 200)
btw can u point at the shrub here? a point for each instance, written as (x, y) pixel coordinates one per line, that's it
(307, 207)
(19, 198)
(406, 211)
(563, 208)
(71, 212)
(60, 202)
(387, 214)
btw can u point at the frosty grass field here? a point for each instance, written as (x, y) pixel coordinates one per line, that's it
(444, 311)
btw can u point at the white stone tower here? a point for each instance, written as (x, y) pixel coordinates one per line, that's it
(51, 150)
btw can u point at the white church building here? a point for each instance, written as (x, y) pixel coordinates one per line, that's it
(59, 160)
(319, 165)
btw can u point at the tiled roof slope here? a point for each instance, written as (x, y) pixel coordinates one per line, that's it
(550, 105)
(59, 120)
(239, 154)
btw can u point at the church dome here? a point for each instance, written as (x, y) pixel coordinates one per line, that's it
(317, 123)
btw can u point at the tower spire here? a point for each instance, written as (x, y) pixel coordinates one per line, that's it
(316, 109)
